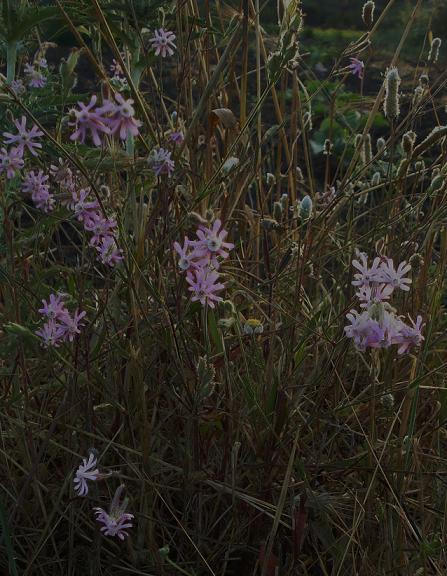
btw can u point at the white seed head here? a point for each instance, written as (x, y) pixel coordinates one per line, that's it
(391, 104)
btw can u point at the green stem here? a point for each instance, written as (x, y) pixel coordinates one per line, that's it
(11, 59)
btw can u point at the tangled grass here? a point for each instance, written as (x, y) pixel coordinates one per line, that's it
(252, 437)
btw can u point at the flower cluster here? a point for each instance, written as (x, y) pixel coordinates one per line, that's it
(34, 73)
(103, 229)
(200, 260)
(36, 184)
(12, 160)
(60, 325)
(378, 325)
(116, 521)
(113, 117)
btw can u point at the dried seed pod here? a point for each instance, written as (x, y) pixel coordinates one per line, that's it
(391, 105)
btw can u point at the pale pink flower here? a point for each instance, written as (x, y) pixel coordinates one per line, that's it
(212, 242)
(84, 208)
(203, 283)
(86, 471)
(163, 42)
(177, 137)
(109, 253)
(396, 277)
(24, 138)
(409, 336)
(89, 119)
(35, 77)
(116, 521)
(70, 324)
(366, 274)
(161, 163)
(366, 332)
(54, 309)
(51, 333)
(357, 67)
(11, 161)
(187, 256)
(122, 117)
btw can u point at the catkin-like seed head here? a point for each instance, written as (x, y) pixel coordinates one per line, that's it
(277, 211)
(375, 180)
(433, 55)
(391, 104)
(417, 96)
(408, 140)
(423, 80)
(368, 13)
(306, 207)
(381, 145)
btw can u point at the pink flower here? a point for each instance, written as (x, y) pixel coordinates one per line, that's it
(55, 308)
(86, 471)
(161, 163)
(70, 325)
(88, 119)
(203, 284)
(18, 87)
(374, 294)
(51, 333)
(35, 183)
(122, 117)
(24, 138)
(365, 274)
(62, 174)
(109, 253)
(35, 77)
(176, 137)
(212, 241)
(357, 67)
(187, 256)
(116, 521)
(163, 42)
(83, 208)
(11, 161)
(100, 227)
(396, 277)
(409, 336)
(365, 331)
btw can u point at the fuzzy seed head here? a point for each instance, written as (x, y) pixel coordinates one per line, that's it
(375, 180)
(433, 55)
(381, 145)
(408, 140)
(306, 208)
(368, 13)
(391, 104)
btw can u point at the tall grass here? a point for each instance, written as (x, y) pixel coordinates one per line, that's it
(252, 438)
